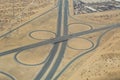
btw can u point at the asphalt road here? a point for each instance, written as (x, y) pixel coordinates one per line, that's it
(56, 45)
(7, 75)
(22, 25)
(64, 44)
(81, 54)
(58, 39)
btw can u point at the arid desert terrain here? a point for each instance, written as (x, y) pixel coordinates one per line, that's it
(52, 40)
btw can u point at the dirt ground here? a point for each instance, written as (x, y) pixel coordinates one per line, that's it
(102, 63)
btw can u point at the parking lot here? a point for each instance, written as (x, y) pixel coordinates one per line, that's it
(83, 8)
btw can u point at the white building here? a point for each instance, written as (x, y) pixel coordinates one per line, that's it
(94, 1)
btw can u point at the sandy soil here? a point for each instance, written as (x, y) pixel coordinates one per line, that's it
(103, 63)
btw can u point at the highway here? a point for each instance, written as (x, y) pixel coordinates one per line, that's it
(56, 45)
(64, 44)
(81, 54)
(59, 39)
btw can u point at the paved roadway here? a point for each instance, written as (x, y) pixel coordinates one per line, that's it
(22, 25)
(7, 75)
(64, 44)
(56, 45)
(58, 39)
(81, 54)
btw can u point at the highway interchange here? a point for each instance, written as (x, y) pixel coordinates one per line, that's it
(62, 38)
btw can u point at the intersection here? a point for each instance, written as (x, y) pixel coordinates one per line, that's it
(54, 59)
